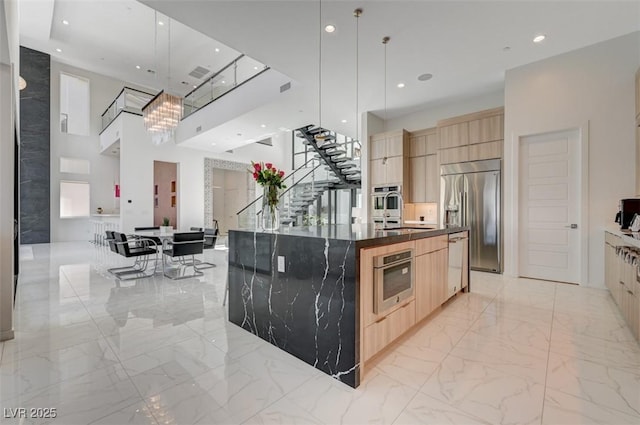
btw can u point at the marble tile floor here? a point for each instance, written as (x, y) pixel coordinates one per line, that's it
(155, 351)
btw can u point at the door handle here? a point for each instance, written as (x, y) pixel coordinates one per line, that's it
(572, 226)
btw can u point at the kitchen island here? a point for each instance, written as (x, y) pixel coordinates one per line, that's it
(302, 290)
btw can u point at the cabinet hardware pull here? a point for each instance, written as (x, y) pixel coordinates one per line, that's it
(621, 283)
(629, 292)
(380, 320)
(405, 305)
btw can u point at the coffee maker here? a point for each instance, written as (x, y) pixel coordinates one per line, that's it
(628, 208)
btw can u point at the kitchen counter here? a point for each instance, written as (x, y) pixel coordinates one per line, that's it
(299, 289)
(628, 237)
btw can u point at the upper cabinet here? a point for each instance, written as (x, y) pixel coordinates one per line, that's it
(389, 160)
(472, 137)
(423, 164)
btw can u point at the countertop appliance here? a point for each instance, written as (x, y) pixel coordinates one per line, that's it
(628, 207)
(470, 196)
(456, 253)
(392, 279)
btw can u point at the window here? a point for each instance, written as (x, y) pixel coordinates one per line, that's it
(74, 199)
(74, 165)
(75, 105)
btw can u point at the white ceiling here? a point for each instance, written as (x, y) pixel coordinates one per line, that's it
(460, 43)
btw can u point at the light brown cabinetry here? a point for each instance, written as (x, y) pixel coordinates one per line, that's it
(454, 135)
(430, 268)
(389, 328)
(423, 166)
(388, 159)
(638, 131)
(620, 279)
(472, 137)
(431, 282)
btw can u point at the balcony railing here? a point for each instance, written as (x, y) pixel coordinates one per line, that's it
(236, 73)
(129, 100)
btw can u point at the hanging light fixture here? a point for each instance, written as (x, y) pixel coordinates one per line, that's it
(385, 41)
(163, 113)
(357, 13)
(320, 137)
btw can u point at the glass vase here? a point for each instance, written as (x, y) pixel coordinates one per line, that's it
(270, 213)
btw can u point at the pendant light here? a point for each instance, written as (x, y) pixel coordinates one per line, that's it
(385, 41)
(320, 137)
(163, 113)
(357, 13)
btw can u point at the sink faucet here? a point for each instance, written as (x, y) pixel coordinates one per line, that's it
(384, 203)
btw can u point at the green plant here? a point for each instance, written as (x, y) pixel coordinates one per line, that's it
(312, 220)
(165, 221)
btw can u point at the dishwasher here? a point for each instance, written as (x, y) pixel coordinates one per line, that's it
(456, 252)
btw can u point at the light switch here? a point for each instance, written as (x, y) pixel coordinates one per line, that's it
(281, 263)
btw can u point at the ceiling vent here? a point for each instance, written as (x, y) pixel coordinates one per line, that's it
(199, 72)
(266, 141)
(285, 87)
(230, 151)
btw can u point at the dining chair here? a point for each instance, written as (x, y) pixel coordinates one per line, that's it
(130, 248)
(182, 246)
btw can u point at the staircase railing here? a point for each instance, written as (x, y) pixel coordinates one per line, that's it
(247, 215)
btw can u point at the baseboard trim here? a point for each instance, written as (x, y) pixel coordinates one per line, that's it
(6, 335)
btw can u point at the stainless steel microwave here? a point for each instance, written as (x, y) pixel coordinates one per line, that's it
(392, 279)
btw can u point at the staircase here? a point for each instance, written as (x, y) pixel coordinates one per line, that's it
(333, 154)
(328, 169)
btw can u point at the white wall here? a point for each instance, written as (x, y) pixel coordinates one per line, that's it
(104, 169)
(592, 87)
(429, 117)
(137, 154)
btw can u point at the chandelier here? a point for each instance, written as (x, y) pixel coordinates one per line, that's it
(161, 116)
(163, 113)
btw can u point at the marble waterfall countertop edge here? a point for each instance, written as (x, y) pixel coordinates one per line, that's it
(365, 235)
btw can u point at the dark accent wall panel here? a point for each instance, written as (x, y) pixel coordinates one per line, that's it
(35, 137)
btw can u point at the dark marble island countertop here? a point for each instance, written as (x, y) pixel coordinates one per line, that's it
(299, 289)
(365, 235)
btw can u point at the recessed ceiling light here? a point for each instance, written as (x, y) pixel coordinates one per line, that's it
(223, 82)
(330, 28)
(137, 66)
(213, 144)
(539, 38)
(263, 125)
(344, 121)
(195, 87)
(425, 77)
(400, 85)
(65, 22)
(160, 23)
(255, 67)
(59, 50)
(217, 50)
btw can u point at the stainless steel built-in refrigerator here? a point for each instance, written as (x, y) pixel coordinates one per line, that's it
(470, 196)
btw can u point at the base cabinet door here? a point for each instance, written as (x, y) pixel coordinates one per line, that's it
(381, 333)
(440, 268)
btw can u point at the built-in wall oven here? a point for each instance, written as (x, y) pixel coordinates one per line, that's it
(392, 203)
(392, 279)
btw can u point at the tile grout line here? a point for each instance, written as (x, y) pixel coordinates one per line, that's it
(546, 374)
(419, 391)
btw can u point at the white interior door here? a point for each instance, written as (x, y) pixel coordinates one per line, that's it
(549, 200)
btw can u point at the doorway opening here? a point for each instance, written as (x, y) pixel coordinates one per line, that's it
(165, 193)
